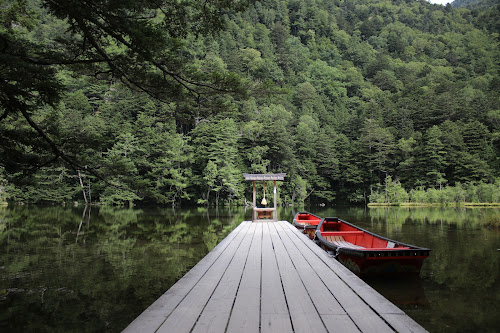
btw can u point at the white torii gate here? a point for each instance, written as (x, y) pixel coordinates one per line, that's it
(263, 213)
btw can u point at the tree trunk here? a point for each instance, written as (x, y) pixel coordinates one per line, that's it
(307, 196)
(83, 188)
(89, 193)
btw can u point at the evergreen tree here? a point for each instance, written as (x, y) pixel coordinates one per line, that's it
(377, 144)
(434, 158)
(168, 102)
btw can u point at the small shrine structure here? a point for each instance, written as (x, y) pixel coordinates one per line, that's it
(264, 214)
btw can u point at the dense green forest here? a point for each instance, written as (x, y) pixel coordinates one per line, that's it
(120, 102)
(471, 4)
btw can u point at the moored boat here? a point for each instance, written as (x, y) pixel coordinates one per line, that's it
(306, 222)
(366, 253)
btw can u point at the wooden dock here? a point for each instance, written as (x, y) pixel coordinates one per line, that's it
(268, 277)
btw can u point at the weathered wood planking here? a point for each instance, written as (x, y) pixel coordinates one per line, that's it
(275, 316)
(396, 317)
(153, 317)
(305, 317)
(245, 315)
(331, 312)
(361, 314)
(216, 313)
(186, 314)
(268, 277)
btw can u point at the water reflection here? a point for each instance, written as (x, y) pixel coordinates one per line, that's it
(404, 292)
(71, 269)
(78, 269)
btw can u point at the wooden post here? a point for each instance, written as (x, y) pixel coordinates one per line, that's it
(254, 217)
(275, 213)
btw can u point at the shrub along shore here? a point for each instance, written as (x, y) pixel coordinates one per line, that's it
(424, 204)
(391, 193)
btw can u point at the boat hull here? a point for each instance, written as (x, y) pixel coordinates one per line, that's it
(399, 259)
(362, 266)
(307, 223)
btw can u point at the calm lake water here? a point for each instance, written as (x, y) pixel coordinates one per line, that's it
(87, 270)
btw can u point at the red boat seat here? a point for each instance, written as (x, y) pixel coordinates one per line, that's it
(343, 233)
(340, 242)
(384, 248)
(309, 222)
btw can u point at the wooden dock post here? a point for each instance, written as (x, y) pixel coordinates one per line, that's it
(254, 213)
(275, 213)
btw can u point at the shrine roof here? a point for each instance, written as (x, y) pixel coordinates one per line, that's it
(261, 176)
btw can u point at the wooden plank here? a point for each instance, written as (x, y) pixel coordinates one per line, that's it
(155, 314)
(271, 176)
(305, 317)
(254, 214)
(245, 316)
(269, 277)
(264, 213)
(275, 316)
(275, 212)
(331, 312)
(403, 323)
(340, 242)
(317, 290)
(378, 302)
(363, 316)
(352, 280)
(215, 315)
(396, 317)
(184, 316)
(339, 323)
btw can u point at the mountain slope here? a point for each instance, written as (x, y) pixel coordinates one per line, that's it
(340, 95)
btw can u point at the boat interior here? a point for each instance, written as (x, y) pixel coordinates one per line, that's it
(344, 235)
(308, 219)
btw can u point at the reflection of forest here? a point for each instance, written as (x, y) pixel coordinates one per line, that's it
(470, 217)
(62, 266)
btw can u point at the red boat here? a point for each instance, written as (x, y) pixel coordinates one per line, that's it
(306, 222)
(368, 254)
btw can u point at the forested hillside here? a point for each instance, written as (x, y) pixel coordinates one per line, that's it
(337, 94)
(471, 4)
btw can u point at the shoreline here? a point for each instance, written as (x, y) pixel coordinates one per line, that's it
(423, 204)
